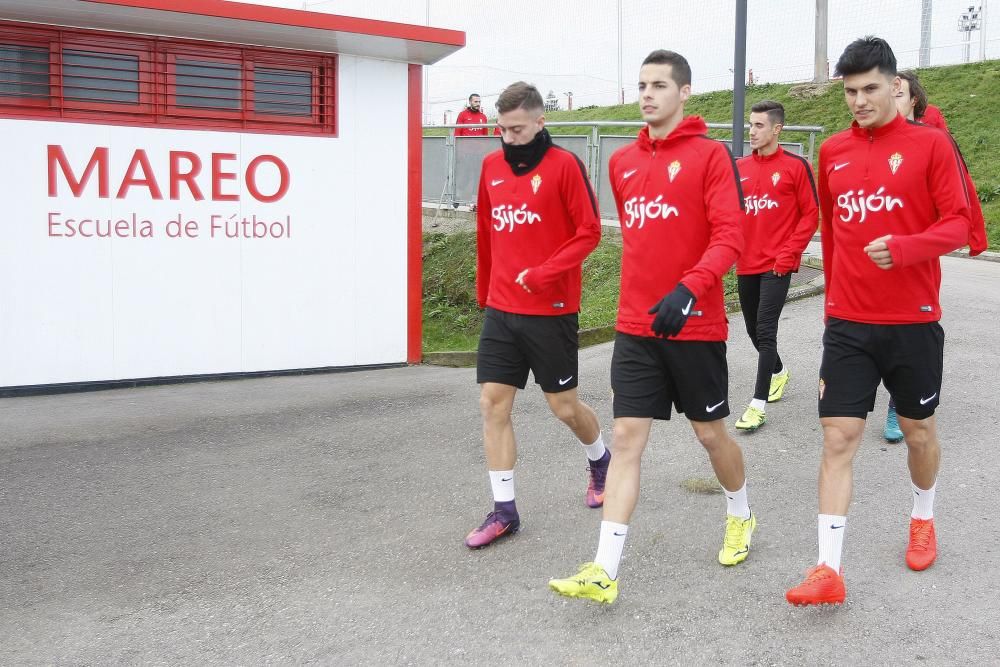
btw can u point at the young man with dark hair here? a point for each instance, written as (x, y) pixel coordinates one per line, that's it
(781, 217)
(472, 114)
(893, 201)
(537, 221)
(912, 104)
(680, 206)
(912, 98)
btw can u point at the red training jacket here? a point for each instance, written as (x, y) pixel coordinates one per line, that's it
(933, 117)
(680, 207)
(469, 117)
(903, 179)
(546, 221)
(782, 211)
(978, 242)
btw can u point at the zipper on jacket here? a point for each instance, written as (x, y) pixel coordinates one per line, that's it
(868, 157)
(648, 170)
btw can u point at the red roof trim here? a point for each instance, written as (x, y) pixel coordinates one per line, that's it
(242, 11)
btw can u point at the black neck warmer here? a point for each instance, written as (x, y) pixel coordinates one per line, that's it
(526, 157)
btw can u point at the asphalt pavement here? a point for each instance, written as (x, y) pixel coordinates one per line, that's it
(319, 519)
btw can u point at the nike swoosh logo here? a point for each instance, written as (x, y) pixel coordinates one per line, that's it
(838, 167)
(687, 309)
(745, 178)
(712, 408)
(737, 553)
(629, 173)
(619, 534)
(600, 584)
(836, 527)
(925, 401)
(497, 182)
(562, 382)
(506, 479)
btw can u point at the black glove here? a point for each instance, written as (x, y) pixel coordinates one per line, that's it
(672, 311)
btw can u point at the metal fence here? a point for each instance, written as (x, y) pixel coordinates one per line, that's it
(451, 164)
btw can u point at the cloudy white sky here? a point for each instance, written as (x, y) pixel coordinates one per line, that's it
(572, 45)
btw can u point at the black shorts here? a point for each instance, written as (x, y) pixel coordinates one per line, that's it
(510, 345)
(908, 358)
(648, 374)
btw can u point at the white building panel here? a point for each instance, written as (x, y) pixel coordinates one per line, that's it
(323, 283)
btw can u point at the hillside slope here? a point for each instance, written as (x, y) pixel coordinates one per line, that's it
(968, 95)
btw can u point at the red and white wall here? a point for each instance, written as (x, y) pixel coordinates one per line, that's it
(183, 286)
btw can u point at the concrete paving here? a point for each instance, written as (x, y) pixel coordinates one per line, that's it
(319, 519)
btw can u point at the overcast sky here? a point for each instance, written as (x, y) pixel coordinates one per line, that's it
(572, 46)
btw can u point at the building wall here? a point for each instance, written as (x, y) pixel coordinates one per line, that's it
(330, 290)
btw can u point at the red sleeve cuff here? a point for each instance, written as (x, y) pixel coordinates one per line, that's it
(895, 251)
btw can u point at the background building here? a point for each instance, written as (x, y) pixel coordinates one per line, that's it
(207, 187)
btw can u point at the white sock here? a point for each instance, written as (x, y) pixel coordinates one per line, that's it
(609, 549)
(923, 502)
(783, 371)
(831, 539)
(596, 450)
(759, 403)
(502, 482)
(737, 503)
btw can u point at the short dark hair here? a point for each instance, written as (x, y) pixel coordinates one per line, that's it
(917, 92)
(864, 54)
(474, 95)
(520, 95)
(774, 110)
(680, 70)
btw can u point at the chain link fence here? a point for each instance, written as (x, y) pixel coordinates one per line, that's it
(451, 165)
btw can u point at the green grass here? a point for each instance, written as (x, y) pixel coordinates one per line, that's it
(452, 319)
(968, 95)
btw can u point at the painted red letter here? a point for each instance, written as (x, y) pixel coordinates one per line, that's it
(218, 176)
(177, 176)
(282, 173)
(99, 161)
(139, 159)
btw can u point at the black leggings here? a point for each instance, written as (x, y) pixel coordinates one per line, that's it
(762, 296)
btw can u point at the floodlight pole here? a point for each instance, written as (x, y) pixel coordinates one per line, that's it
(821, 68)
(621, 88)
(969, 21)
(739, 81)
(926, 10)
(426, 68)
(982, 31)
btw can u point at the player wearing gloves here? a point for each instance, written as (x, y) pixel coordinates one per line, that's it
(680, 207)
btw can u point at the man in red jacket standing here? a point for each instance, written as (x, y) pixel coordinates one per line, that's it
(680, 207)
(472, 115)
(893, 200)
(537, 221)
(781, 217)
